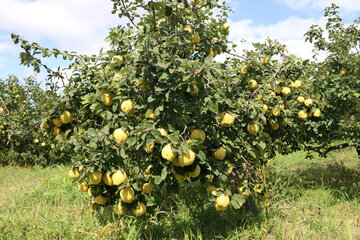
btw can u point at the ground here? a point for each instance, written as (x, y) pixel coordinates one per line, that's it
(315, 198)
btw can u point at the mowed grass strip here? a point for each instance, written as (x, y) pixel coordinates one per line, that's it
(311, 199)
(43, 204)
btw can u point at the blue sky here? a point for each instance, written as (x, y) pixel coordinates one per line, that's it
(67, 25)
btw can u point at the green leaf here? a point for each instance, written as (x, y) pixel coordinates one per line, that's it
(201, 155)
(237, 201)
(168, 11)
(92, 132)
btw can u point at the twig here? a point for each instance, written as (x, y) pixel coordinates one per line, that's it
(206, 91)
(183, 133)
(262, 85)
(128, 14)
(235, 55)
(4, 105)
(326, 148)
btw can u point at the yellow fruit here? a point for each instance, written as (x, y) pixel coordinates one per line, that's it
(150, 114)
(195, 39)
(308, 102)
(252, 84)
(244, 192)
(225, 26)
(83, 186)
(2, 127)
(43, 144)
(66, 117)
(210, 189)
(106, 98)
(275, 112)
(148, 169)
(101, 200)
(120, 135)
(213, 52)
(225, 29)
(196, 2)
(343, 71)
(117, 77)
(94, 177)
(302, 114)
(187, 159)
(1, 110)
(168, 153)
(143, 85)
(195, 91)
(163, 132)
(149, 148)
(74, 174)
(140, 209)
(222, 202)
(36, 141)
(244, 69)
(17, 96)
(3, 132)
(257, 188)
(147, 188)
(220, 153)
(188, 29)
(265, 60)
(278, 90)
(44, 125)
(281, 107)
(227, 119)
(17, 144)
(198, 133)
(57, 122)
(118, 177)
(107, 179)
(117, 60)
(317, 113)
(300, 99)
(127, 106)
(273, 124)
(120, 208)
(296, 84)
(195, 173)
(127, 195)
(180, 178)
(286, 91)
(253, 128)
(90, 192)
(265, 107)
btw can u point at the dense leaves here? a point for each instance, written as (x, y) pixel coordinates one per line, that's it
(157, 110)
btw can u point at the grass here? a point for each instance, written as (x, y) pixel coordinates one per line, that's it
(311, 199)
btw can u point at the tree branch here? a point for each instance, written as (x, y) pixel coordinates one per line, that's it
(128, 14)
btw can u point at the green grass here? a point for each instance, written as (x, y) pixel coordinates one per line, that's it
(311, 199)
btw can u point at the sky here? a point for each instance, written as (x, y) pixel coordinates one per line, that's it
(82, 25)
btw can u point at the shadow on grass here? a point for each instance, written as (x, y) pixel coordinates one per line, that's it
(192, 216)
(189, 215)
(343, 181)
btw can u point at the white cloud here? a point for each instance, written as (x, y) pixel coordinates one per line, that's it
(289, 32)
(5, 47)
(346, 5)
(79, 25)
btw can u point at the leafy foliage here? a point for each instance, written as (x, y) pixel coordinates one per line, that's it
(157, 110)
